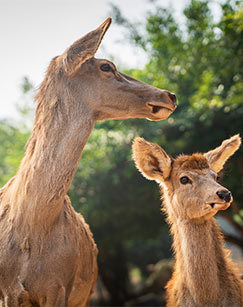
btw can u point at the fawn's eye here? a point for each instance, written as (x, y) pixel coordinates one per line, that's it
(106, 67)
(185, 180)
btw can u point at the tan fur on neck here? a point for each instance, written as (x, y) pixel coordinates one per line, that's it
(204, 274)
(47, 252)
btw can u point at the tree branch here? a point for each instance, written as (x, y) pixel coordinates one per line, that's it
(234, 240)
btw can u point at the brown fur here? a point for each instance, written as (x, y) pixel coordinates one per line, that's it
(195, 161)
(204, 274)
(47, 252)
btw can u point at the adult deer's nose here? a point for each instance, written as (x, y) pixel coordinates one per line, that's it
(173, 98)
(224, 195)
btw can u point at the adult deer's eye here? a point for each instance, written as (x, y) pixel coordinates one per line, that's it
(218, 177)
(106, 67)
(185, 180)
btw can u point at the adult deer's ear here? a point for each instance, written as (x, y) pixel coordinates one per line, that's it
(218, 156)
(151, 160)
(84, 48)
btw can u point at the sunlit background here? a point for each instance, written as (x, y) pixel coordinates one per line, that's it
(33, 32)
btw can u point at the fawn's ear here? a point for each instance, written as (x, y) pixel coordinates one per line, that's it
(218, 156)
(151, 160)
(84, 48)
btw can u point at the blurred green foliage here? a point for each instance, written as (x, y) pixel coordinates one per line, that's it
(12, 142)
(201, 62)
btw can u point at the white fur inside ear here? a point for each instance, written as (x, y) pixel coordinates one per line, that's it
(218, 156)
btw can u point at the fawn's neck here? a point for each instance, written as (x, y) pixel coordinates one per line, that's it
(198, 251)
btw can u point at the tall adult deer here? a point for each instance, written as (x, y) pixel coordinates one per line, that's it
(204, 275)
(47, 252)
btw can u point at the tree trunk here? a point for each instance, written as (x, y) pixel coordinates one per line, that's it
(114, 273)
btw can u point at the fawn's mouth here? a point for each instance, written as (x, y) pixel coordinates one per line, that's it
(219, 206)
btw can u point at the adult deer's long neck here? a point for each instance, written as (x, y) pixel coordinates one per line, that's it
(199, 258)
(61, 130)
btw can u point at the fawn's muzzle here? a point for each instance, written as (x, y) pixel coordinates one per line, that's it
(224, 195)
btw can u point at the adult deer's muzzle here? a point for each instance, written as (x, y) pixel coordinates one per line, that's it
(162, 105)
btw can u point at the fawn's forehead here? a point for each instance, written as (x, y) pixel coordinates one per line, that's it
(195, 162)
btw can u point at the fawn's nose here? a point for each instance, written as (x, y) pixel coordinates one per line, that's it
(224, 195)
(173, 98)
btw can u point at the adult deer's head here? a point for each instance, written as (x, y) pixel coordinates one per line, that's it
(95, 87)
(189, 183)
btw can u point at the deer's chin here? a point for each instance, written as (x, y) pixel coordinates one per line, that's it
(159, 113)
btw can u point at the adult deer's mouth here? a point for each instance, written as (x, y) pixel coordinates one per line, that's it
(156, 107)
(159, 110)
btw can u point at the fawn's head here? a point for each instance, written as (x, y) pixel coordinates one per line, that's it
(95, 87)
(189, 183)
